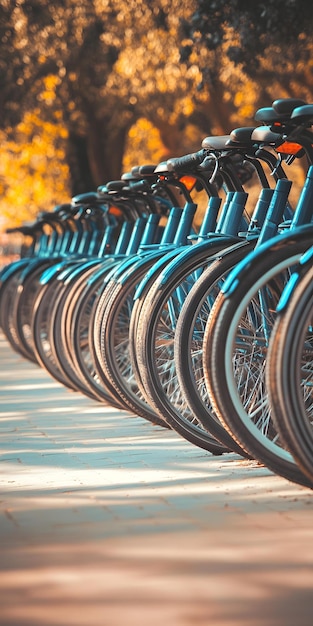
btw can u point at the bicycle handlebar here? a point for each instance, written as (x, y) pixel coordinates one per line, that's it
(187, 162)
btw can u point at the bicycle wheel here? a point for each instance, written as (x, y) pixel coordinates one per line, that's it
(289, 374)
(154, 345)
(27, 293)
(40, 330)
(79, 326)
(8, 294)
(168, 264)
(12, 293)
(189, 334)
(58, 336)
(235, 349)
(6, 274)
(112, 331)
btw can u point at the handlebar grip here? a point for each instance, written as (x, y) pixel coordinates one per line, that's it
(187, 162)
(24, 230)
(47, 215)
(140, 185)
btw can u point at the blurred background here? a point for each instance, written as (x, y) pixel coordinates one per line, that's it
(90, 89)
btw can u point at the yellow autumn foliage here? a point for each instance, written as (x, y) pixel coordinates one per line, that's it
(144, 145)
(34, 174)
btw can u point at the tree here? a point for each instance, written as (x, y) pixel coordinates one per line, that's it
(113, 63)
(33, 169)
(179, 70)
(268, 41)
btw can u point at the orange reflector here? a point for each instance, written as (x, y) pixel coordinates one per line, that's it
(114, 210)
(289, 147)
(188, 181)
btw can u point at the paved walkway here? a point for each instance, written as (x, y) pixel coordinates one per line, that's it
(107, 520)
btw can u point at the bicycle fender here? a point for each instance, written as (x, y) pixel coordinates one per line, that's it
(190, 252)
(244, 267)
(305, 263)
(154, 270)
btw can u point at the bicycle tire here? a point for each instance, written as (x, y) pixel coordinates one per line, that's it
(289, 374)
(113, 332)
(230, 315)
(12, 291)
(27, 293)
(79, 322)
(58, 337)
(130, 391)
(40, 329)
(155, 356)
(188, 340)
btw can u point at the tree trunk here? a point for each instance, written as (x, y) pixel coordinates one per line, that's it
(106, 139)
(81, 179)
(96, 158)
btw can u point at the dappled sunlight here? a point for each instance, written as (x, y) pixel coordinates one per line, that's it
(107, 519)
(195, 579)
(29, 387)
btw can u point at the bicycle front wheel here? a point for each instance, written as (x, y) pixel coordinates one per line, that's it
(290, 374)
(235, 350)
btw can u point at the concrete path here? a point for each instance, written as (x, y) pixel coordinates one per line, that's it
(107, 520)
